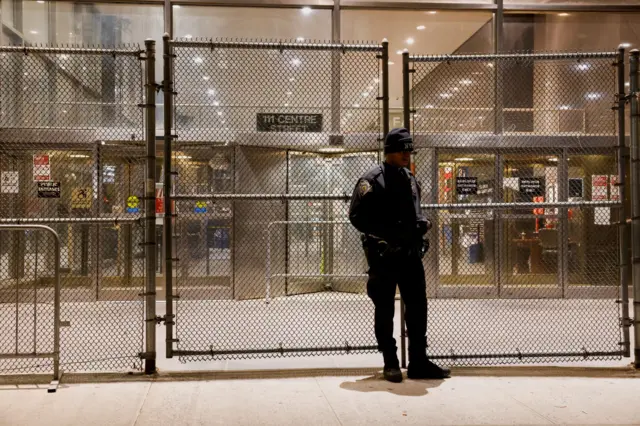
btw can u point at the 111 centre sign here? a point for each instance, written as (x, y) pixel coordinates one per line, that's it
(299, 123)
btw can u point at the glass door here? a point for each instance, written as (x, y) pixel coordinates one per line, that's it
(466, 237)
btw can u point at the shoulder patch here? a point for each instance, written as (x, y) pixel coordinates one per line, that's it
(364, 187)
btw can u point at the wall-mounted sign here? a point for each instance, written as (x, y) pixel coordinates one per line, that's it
(305, 123)
(10, 182)
(466, 185)
(532, 185)
(81, 198)
(201, 207)
(576, 189)
(41, 168)
(48, 189)
(133, 204)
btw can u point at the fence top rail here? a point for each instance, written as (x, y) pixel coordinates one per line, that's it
(275, 45)
(126, 50)
(513, 56)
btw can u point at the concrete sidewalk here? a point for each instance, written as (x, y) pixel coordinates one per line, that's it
(329, 401)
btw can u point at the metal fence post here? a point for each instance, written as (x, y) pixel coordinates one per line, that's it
(150, 208)
(635, 199)
(406, 118)
(623, 229)
(167, 88)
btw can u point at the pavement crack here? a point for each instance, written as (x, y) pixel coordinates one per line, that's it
(328, 402)
(533, 410)
(144, 400)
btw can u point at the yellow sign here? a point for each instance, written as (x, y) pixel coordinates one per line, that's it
(133, 202)
(201, 204)
(81, 198)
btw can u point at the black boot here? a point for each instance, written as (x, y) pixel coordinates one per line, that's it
(391, 371)
(422, 368)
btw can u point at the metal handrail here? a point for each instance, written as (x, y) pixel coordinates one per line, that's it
(56, 304)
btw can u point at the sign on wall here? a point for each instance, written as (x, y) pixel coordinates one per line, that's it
(81, 198)
(304, 123)
(532, 185)
(48, 189)
(41, 168)
(466, 185)
(10, 182)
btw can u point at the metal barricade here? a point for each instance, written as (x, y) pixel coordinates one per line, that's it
(73, 154)
(262, 142)
(521, 161)
(52, 346)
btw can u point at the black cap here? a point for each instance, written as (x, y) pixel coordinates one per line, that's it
(398, 140)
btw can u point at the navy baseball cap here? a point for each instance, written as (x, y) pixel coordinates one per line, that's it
(398, 140)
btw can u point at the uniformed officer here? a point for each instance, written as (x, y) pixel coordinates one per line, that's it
(385, 207)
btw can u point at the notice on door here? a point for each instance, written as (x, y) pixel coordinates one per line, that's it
(41, 168)
(532, 186)
(10, 182)
(81, 198)
(303, 123)
(466, 185)
(48, 189)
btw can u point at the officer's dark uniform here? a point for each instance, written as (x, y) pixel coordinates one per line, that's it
(385, 207)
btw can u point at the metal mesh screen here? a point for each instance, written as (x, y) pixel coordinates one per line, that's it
(72, 157)
(271, 137)
(531, 283)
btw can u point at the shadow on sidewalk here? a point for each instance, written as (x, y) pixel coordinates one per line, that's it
(407, 388)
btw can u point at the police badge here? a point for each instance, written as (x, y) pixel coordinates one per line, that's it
(365, 187)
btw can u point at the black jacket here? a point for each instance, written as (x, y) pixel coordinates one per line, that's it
(386, 204)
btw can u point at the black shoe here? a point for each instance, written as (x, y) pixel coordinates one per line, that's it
(392, 374)
(427, 370)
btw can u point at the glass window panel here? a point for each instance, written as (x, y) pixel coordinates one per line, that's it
(427, 32)
(266, 23)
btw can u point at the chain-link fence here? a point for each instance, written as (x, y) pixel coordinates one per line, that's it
(517, 156)
(269, 140)
(72, 156)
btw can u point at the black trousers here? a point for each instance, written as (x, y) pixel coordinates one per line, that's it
(407, 272)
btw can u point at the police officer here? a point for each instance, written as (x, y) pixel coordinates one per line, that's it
(385, 207)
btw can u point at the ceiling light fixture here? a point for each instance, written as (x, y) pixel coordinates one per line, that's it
(300, 39)
(563, 14)
(211, 92)
(296, 62)
(410, 41)
(464, 159)
(421, 28)
(432, 12)
(198, 60)
(391, 63)
(306, 11)
(206, 78)
(466, 82)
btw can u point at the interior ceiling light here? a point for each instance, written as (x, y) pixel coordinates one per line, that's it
(206, 78)
(593, 96)
(183, 157)
(445, 95)
(455, 89)
(563, 14)
(410, 40)
(300, 39)
(296, 62)
(356, 105)
(583, 67)
(41, 1)
(464, 159)
(216, 103)
(365, 94)
(211, 92)
(306, 11)
(176, 6)
(292, 79)
(198, 60)
(432, 12)
(79, 156)
(391, 63)
(188, 36)
(331, 149)
(553, 159)
(625, 45)
(421, 28)
(466, 82)
(399, 52)
(33, 32)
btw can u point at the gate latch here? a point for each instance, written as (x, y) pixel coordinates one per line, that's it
(161, 318)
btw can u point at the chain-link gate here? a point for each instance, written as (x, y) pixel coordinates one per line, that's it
(519, 163)
(72, 157)
(269, 140)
